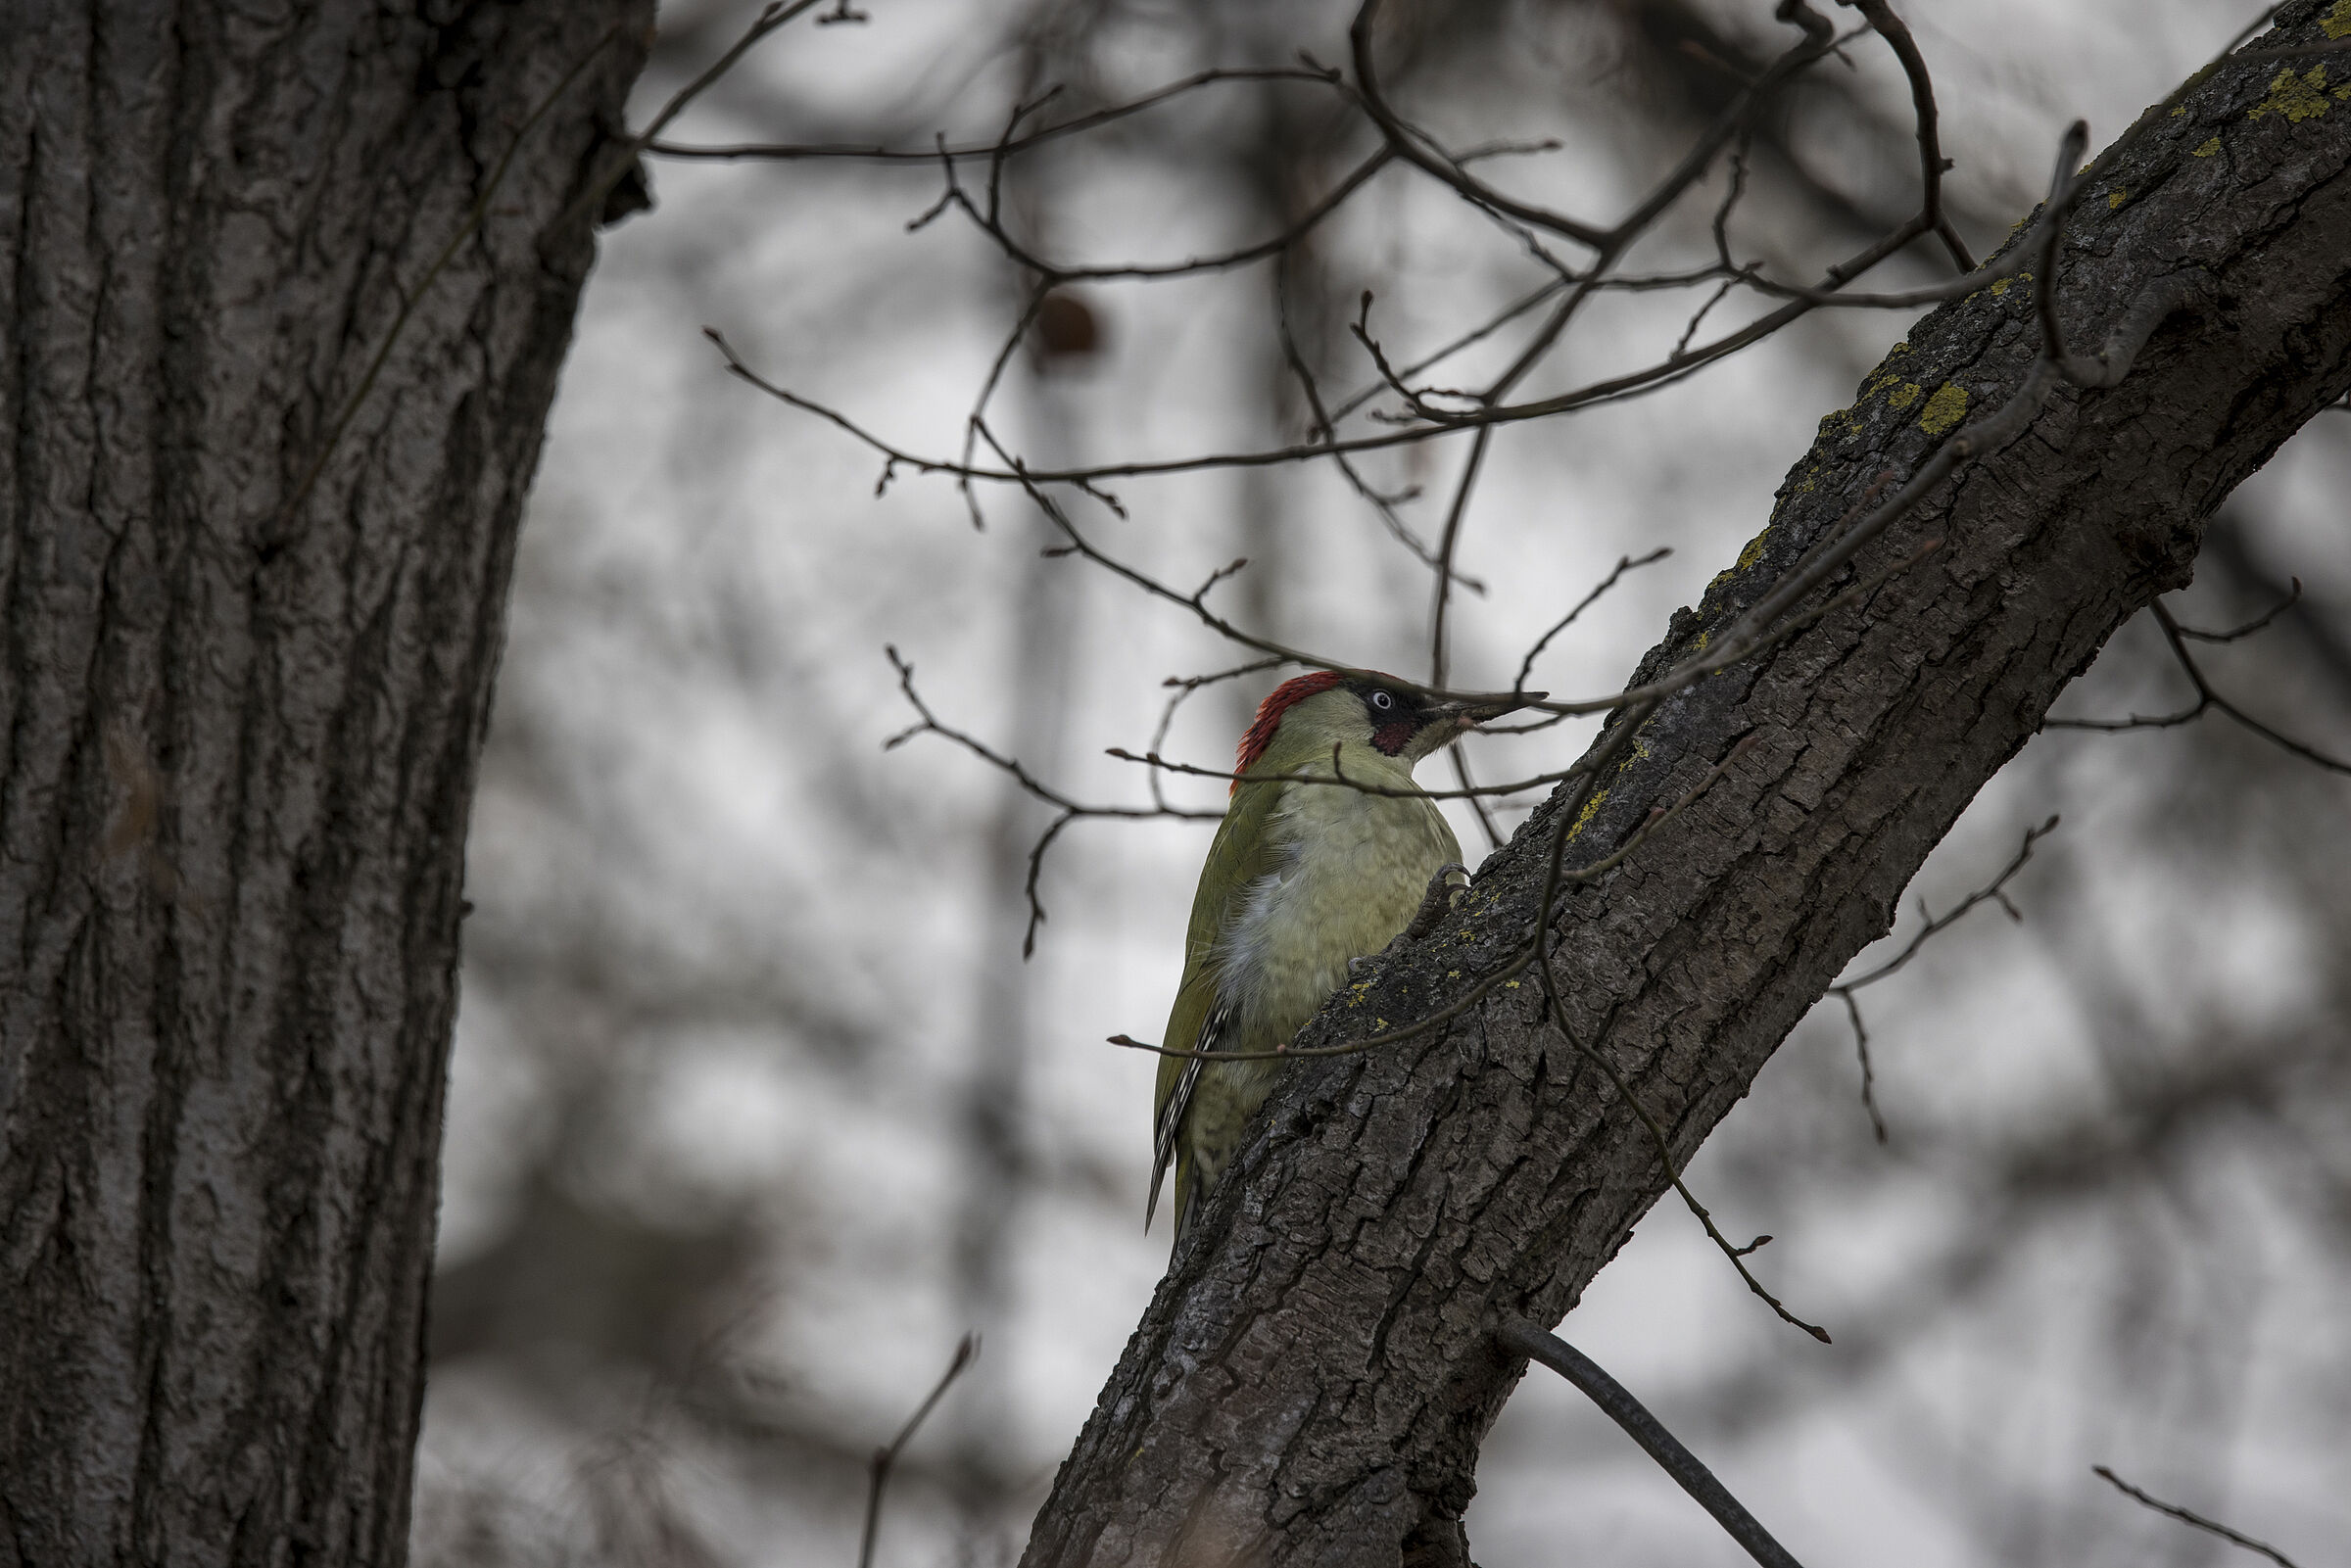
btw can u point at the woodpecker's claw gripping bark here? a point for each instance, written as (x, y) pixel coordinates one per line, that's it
(1444, 893)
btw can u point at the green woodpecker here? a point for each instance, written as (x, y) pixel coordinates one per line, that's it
(1303, 877)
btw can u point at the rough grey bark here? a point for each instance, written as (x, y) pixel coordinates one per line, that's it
(241, 715)
(1311, 1383)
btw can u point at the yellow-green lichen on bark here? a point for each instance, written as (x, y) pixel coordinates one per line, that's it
(2297, 98)
(1884, 375)
(2208, 149)
(1584, 816)
(1746, 559)
(1945, 410)
(2337, 21)
(1903, 396)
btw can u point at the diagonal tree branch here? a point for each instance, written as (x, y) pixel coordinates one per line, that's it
(1313, 1378)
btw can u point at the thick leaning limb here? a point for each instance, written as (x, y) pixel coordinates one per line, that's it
(1312, 1381)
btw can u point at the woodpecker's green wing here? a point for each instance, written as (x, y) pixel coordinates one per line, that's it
(1243, 852)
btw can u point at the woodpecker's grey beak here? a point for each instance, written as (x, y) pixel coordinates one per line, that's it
(1471, 711)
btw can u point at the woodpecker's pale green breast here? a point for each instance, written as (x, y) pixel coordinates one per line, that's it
(1303, 876)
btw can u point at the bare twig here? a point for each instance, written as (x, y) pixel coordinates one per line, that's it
(967, 1349)
(2189, 1517)
(1422, 149)
(617, 162)
(1219, 261)
(2293, 597)
(1869, 1072)
(1624, 564)
(1521, 1337)
(2209, 700)
(1184, 686)
(1070, 810)
(1932, 165)
(1382, 505)
(1994, 891)
(978, 152)
(1656, 692)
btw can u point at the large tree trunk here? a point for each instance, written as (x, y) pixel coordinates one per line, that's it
(1311, 1383)
(253, 584)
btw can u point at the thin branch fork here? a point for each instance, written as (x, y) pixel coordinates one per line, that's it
(2259, 623)
(618, 162)
(967, 1350)
(1070, 810)
(1994, 891)
(1183, 687)
(2209, 697)
(1526, 665)
(1055, 274)
(1322, 425)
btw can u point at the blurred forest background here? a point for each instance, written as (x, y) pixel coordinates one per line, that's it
(757, 1109)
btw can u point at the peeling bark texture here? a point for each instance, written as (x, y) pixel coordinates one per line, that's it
(1312, 1381)
(243, 693)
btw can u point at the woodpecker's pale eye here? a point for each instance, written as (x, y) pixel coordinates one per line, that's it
(1381, 702)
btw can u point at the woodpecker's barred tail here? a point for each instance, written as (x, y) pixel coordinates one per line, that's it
(1170, 1114)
